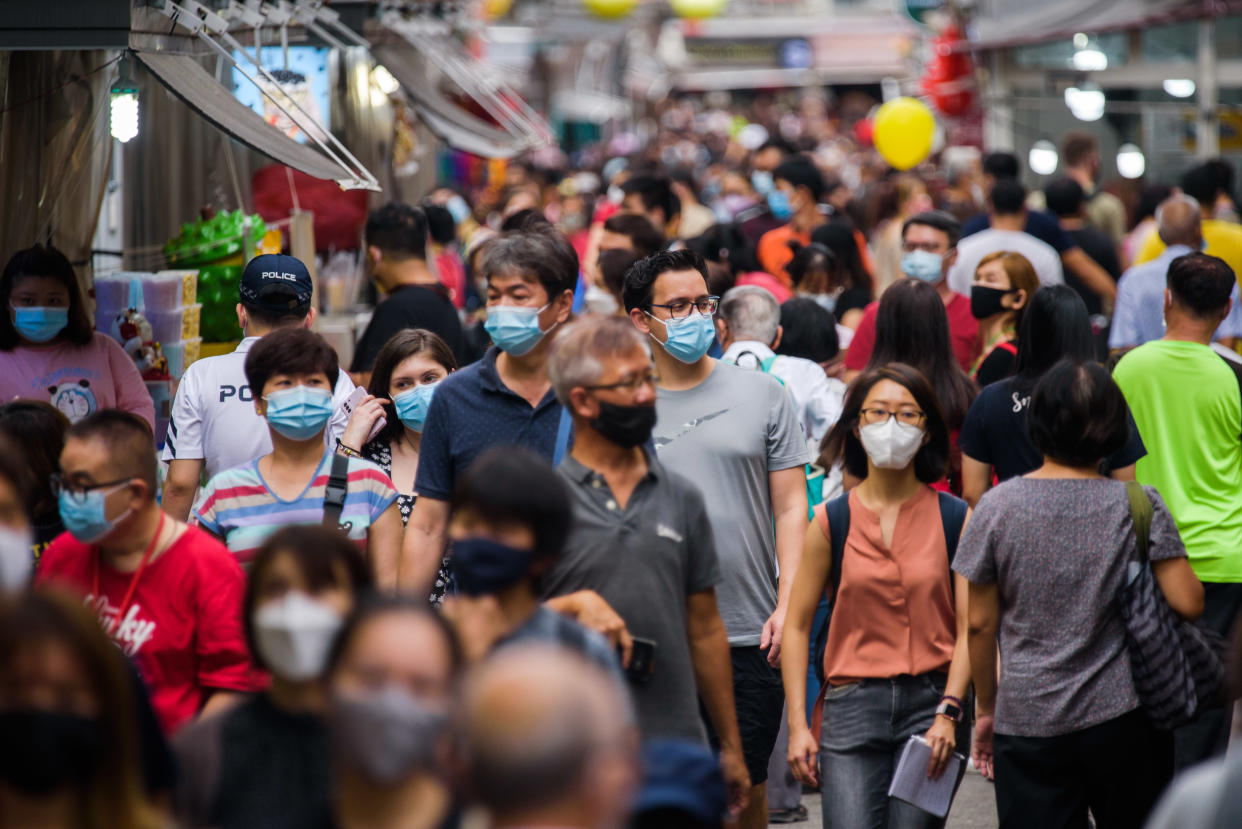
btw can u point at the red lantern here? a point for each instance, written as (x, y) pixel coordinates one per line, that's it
(948, 79)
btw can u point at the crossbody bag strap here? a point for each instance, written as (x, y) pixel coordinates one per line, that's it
(336, 491)
(1141, 514)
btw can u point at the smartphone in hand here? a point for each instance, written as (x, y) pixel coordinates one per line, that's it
(350, 403)
(642, 661)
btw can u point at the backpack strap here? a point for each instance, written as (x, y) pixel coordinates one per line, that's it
(335, 492)
(952, 519)
(1140, 513)
(563, 429)
(766, 363)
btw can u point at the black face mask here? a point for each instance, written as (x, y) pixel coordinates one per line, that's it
(626, 426)
(986, 301)
(56, 749)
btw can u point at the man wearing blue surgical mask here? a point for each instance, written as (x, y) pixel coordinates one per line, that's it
(289, 371)
(929, 250)
(503, 399)
(735, 434)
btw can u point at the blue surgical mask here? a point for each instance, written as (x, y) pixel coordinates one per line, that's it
(458, 208)
(299, 413)
(85, 514)
(762, 181)
(689, 337)
(412, 405)
(514, 328)
(482, 567)
(923, 265)
(779, 204)
(40, 325)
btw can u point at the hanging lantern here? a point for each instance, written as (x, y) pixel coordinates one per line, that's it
(610, 9)
(697, 9)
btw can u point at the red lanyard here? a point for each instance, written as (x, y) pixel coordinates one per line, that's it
(133, 582)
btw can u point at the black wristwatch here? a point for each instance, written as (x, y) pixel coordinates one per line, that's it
(948, 709)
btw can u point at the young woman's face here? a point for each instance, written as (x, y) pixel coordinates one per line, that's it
(400, 649)
(39, 292)
(993, 275)
(284, 575)
(47, 675)
(416, 370)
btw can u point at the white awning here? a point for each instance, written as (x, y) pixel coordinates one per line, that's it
(452, 124)
(186, 78)
(1060, 20)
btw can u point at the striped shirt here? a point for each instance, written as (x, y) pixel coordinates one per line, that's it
(239, 507)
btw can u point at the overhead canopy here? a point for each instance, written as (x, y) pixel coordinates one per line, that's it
(454, 125)
(1025, 23)
(186, 78)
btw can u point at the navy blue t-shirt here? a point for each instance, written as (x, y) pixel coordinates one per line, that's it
(1039, 224)
(473, 410)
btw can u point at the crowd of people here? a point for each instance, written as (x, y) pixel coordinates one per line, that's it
(656, 489)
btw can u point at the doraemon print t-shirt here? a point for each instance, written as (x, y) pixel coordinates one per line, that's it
(77, 380)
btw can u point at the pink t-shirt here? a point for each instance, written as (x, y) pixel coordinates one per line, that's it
(77, 379)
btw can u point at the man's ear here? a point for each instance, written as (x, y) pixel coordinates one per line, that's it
(580, 399)
(780, 332)
(241, 317)
(563, 305)
(950, 258)
(310, 317)
(640, 320)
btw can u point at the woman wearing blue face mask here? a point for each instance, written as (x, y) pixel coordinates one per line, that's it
(406, 373)
(290, 373)
(48, 350)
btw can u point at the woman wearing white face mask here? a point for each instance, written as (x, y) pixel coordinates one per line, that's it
(391, 680)
(403, 380)
(267, 762)
(894, 659)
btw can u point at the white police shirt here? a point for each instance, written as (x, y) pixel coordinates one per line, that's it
(213, 416)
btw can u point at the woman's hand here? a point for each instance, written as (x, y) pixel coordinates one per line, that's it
(942, 737)
(981, 752)
(804, 756)
(358, 431)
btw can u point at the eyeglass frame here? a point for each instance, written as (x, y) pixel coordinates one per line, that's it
(632, 385)
(921, 416)
(694, 304)
(57, 483)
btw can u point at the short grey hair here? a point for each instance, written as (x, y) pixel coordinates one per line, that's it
(1178, 219)
(751, 313)
(582, 348)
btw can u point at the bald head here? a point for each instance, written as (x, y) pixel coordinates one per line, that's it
(545, 732)
(1177, 221)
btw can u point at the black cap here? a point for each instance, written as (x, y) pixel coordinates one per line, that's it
(277, 283)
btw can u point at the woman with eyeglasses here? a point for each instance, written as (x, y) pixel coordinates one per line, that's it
(403, 380)
(895, 661)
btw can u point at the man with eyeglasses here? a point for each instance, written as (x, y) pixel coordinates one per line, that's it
(734, 433)
(929, 243)
(167, 594)
(642, 540)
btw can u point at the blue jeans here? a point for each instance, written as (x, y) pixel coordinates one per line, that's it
(866, 726)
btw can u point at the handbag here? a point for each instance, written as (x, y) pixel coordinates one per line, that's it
(1177, 666)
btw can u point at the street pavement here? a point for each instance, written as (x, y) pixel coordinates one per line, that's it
(973, 808)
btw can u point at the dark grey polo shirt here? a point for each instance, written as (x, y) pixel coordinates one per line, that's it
(644, 560)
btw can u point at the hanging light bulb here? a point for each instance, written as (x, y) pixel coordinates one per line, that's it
(383, 79)
(124, 105)
(1043, 157)
(1179, 87)
(1085, 101)
(1130, 161)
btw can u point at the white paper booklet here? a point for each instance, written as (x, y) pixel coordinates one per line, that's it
(911, 783)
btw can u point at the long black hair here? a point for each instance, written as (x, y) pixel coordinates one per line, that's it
(839, 237)
(1055, 326)
(911, 327)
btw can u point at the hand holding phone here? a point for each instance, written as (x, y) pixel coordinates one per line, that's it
(366, 418)
(642, 661)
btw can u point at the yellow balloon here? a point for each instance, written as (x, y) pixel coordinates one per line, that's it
(610, 9)
(904, 131)
(697, 9)
(496, 9)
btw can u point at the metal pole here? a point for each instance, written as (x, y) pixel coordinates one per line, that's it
(1207, 127)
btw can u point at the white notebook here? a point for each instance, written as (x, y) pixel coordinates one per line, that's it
(911, 783)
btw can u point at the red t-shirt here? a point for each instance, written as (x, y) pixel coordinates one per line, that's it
(183, 626)
(963, 335)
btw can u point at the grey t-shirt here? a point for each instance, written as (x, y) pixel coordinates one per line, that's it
(726, 434)
(644, 560)
(1063, 657)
